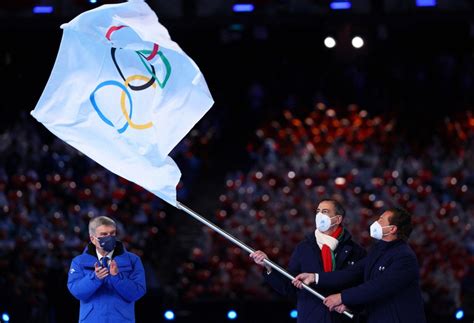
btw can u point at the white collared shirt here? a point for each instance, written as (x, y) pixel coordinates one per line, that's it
(109, 257)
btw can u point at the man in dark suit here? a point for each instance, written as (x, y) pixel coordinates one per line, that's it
(391, 291)
(329, 248)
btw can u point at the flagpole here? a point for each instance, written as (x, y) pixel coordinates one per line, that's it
(242, 245)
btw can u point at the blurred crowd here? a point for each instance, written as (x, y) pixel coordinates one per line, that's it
(367, 162)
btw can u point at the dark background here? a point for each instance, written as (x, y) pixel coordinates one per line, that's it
(416, 67)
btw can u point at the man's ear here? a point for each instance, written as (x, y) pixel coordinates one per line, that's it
(394, 230)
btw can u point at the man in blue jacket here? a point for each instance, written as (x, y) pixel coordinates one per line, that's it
(391, 291)
(329, 248)
(106, 278)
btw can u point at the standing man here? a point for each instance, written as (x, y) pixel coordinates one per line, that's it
(391, 290)
(106, 278)
(329, 248)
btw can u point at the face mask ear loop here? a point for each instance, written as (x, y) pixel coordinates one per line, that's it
(390, 225)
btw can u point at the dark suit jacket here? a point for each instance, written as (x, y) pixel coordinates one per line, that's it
(307, 258)
(391, 291)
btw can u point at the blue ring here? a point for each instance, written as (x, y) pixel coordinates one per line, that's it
(101, 115)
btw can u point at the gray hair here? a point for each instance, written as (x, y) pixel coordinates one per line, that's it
(98, 221)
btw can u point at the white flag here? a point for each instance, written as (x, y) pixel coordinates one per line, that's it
(123, 93)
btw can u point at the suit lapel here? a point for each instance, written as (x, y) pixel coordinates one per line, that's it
(342, 254)
(382, 248)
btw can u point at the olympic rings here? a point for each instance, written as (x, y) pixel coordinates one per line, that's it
(145, 56)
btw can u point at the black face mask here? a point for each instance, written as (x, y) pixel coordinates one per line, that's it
(107, 243)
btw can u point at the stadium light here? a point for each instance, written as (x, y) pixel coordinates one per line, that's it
(459, 314)
(294, 314)
(340, 5)
(169, 315)
(232, 315)
(426, 3)
(329, 42)
(357, 42)
(42, 9)
(243, 7)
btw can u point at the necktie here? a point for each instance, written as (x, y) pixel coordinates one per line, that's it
(104, 262)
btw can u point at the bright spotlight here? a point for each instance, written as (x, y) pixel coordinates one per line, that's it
(357, 42)
(340, 5)
(243, 7)
(5, 317)
(329, 42)
(232, 315)
(459, 314)
(169, 315)
(93, 1)
(426, 3)
(294, 314)
(42, 9)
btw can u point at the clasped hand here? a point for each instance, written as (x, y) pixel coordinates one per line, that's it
(102, 272)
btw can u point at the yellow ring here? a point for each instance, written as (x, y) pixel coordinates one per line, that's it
(123, 105)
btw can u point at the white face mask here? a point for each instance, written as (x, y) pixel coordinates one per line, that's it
(376, 230)
(323, 222)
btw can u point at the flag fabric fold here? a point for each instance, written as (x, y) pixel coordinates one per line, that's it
(124, 93)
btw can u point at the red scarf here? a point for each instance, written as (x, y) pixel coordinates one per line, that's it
(329, 262)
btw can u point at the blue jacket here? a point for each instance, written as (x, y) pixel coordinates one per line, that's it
(307, 258)
(391, 291)
(111, 299)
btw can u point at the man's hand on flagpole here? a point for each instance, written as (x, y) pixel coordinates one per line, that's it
(341, 308)
(306, 278)
(259, 257)
(333, 301)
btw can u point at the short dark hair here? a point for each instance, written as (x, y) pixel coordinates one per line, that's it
(402, 219)
(337, 206)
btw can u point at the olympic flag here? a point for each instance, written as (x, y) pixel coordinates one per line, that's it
(124, 94)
